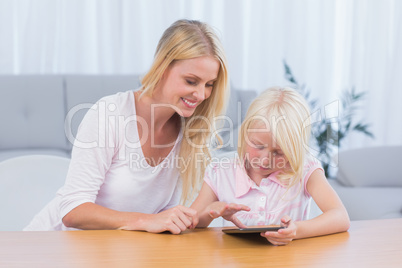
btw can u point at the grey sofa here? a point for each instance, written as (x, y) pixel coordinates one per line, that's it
(36, 110)
(369, 182)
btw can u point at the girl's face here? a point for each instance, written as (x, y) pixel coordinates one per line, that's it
(187, 83)
(262, 155)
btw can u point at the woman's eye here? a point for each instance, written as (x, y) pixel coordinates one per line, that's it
(210, 85)
(190, 82)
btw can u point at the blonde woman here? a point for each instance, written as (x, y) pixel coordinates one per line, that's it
(138, 153)
(274, 179)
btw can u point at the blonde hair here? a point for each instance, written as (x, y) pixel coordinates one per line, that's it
(287, 114)
(187, 39)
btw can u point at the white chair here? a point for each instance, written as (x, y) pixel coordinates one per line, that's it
(27, 184)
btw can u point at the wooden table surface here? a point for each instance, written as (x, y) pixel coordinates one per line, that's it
(376, 243)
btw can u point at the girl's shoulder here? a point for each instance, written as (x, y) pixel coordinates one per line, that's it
(223, 174)
(223, 165)
(311, 162)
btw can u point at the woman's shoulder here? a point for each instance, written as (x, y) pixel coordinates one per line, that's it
(118, 98)
(120, 102)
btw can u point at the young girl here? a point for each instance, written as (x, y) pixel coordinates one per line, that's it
(274, 177)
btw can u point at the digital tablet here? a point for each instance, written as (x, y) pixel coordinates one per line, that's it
(262, 229)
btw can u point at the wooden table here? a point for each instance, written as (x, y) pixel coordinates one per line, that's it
(375, 243)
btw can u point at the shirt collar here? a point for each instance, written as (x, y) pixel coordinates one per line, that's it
(244, 183)
(273, 177)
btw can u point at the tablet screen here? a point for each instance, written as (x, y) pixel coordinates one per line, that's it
(260, 229)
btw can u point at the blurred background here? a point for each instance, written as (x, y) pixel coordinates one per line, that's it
(330, 46)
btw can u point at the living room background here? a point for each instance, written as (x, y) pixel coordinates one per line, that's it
(330, 45)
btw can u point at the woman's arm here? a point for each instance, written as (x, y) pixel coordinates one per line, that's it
(92, 216)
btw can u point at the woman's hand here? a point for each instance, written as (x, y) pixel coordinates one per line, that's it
(283, 236)
(227, 211)
(174, 220)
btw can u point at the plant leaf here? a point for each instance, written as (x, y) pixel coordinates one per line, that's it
(364, 129)
(288, 73)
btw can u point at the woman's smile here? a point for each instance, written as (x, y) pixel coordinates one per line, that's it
(188, 103)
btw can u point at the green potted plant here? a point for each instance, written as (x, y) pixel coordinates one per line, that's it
(329, 133)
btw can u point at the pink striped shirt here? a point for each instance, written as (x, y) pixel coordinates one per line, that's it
(269, 202)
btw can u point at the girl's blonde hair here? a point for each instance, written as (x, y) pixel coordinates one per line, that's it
(287, 115)
(187, 39)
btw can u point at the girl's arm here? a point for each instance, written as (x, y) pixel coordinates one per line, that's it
(209, 208)
(92, 216)
(334, 219)
(201, 204)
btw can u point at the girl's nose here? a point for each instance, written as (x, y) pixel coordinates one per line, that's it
(266, 161)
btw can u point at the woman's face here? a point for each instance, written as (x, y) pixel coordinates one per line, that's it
(187, 83)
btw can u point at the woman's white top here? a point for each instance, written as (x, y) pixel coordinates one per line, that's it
(108, 167)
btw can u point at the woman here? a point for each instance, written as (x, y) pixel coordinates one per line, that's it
(132, 162)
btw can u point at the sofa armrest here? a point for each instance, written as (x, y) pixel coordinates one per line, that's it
(368, 203)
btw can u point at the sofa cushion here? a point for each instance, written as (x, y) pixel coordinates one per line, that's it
(368, 203)
(7, 154)
(32, 112)
(84, 90)
(375, 166)
(239, 102)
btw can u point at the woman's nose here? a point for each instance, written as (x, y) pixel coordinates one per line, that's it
(200, 93)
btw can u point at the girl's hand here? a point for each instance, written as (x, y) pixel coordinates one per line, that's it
(174, 220)
(283, 236)
(227, 211)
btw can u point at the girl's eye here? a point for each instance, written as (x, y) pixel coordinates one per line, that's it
(210, 85)
(257, 145)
